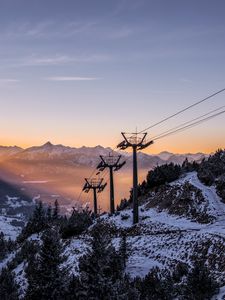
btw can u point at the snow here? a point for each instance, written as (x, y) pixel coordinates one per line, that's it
(221, 295)
(75, 248)
(21, 280)
(7, 228)
(215, 205)
(36, 198)
(4, 262)
(16, 202)
(160, 239)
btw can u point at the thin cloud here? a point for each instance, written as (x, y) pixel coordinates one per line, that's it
(34, 60)
(46, 29)
(185, 80)
(120, 33)
(71, 78)
(8, 80)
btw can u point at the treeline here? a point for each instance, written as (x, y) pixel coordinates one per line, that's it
(6, 246)
(210, 171)
(44, 218)
(159, 176)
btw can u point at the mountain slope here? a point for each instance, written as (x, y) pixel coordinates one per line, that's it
(161, 239)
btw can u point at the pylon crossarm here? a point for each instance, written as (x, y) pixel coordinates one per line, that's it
(119, 157)
(118, 167)
(123, 145)
(86, 186)
(103, 160)
(127, 143)
(145, 145)
(87, 182)
(102, 169)
(100, 165)
(144, 136)
(101, 188)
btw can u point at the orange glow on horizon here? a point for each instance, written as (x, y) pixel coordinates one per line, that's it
(173, 145)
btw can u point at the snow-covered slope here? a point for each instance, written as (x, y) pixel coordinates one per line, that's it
(163, 240)
(160, 239)
(10, 226)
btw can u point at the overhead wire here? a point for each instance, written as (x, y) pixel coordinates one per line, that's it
(188, 122)
(176, 129)
(189, 126)
(182, 110)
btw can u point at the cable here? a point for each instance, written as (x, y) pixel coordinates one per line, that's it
(188, 122)
(177, 128)
(183, 110)
(189, 126)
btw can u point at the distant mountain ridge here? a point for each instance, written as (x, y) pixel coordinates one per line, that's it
(90, 155)
(7, 151)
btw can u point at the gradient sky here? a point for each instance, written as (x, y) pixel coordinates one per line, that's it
(79, 72)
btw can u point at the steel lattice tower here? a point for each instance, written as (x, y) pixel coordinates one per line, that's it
(95, 184)
(137, 142)
(112, 162)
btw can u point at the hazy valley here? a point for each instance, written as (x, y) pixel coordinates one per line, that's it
(50, 172)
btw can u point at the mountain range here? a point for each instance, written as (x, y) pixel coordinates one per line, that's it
(89, 155)
(49, 172)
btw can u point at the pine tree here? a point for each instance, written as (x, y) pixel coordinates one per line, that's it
(3, 246)
(100, 267)
(47, 281)
(38, 219)
(6, 245)
(75, 290)
(55, 215)
(124, 289)
(155, 286)
(77, 223)
(8, 286)
(36, 224)
(32, 274)
(49, 213)
(123, 250)
(200, 284)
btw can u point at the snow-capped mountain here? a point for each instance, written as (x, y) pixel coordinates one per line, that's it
(89, 155)
(57, 171)
(179, 158)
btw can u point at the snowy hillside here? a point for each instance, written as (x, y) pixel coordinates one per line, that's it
(164, 240)
(179, 240)
(11, 226)
(161, 239)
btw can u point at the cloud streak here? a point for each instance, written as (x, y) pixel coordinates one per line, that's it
(54, 60)
(71, 78)
(46, 29)
(8, 80)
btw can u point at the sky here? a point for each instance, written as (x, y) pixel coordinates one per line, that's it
(78, 72)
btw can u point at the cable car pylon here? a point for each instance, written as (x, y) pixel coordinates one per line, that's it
(112, 162)
(137, 142)
(97, 185)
